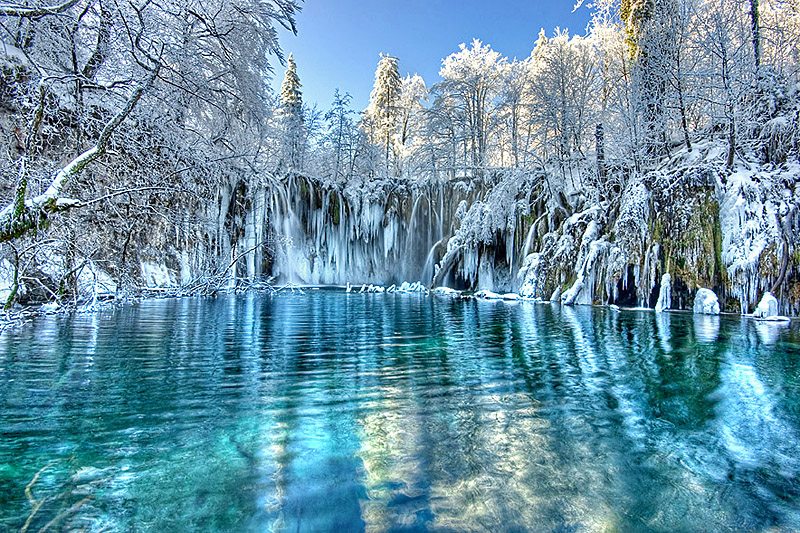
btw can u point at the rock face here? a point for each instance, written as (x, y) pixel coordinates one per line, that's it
(664, 294)
(767, 307)
(706, 302)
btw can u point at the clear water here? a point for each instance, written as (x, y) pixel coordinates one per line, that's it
(335, 412)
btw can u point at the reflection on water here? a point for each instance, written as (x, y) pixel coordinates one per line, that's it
(706, 328)
(335, 412)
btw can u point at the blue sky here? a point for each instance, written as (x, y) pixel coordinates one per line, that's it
(339, 41)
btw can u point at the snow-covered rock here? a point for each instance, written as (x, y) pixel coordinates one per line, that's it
(767, 307)
(664, 294)
(706, 302)
(489, 295)
(569, 297)
(446, 292)
(49, 308)
(372, 288)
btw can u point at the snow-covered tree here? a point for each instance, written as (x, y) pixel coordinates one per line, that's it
(564, 86)
(293, 122)
(413, 93)
(341, 137)
(381, 116)
(471, 81)
(98, 65)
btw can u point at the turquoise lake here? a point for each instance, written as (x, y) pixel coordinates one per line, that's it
(328, 411)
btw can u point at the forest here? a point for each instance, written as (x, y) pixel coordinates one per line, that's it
(650, 157)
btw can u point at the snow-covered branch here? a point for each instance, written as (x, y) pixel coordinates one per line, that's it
(16, 219)
(15, 10)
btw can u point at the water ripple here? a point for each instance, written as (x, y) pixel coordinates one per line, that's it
(336, 412)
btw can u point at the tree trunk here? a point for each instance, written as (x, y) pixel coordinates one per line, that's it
(731, 143)
(599, 137)
(756, 27)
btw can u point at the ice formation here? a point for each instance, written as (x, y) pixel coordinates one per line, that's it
(93, 282)
(446, 292)
(689, 224)
(156, 275)
(664, 294)
(7, 281)
(489, 295)
(706, 302)
(767, 307)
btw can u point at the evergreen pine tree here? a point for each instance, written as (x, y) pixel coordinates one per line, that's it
(291, 102)
(383, 105)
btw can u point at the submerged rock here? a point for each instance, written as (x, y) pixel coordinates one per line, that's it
(664, 294)
(706, 302)
(768, 307)
(489, 295)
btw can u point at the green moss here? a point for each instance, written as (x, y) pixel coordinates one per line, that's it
(333, 209)
(692, 239)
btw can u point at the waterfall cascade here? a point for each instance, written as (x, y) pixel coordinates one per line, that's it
(382, 232)
(662, 236)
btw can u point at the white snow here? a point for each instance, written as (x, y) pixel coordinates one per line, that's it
(7, 281)
(556, 296)
(446, 292)
(749, 224)
(49, 308)
(156, 275)
(489, 295)
(95, 283)
(767, 307)
(706, 302)
(407, 287)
